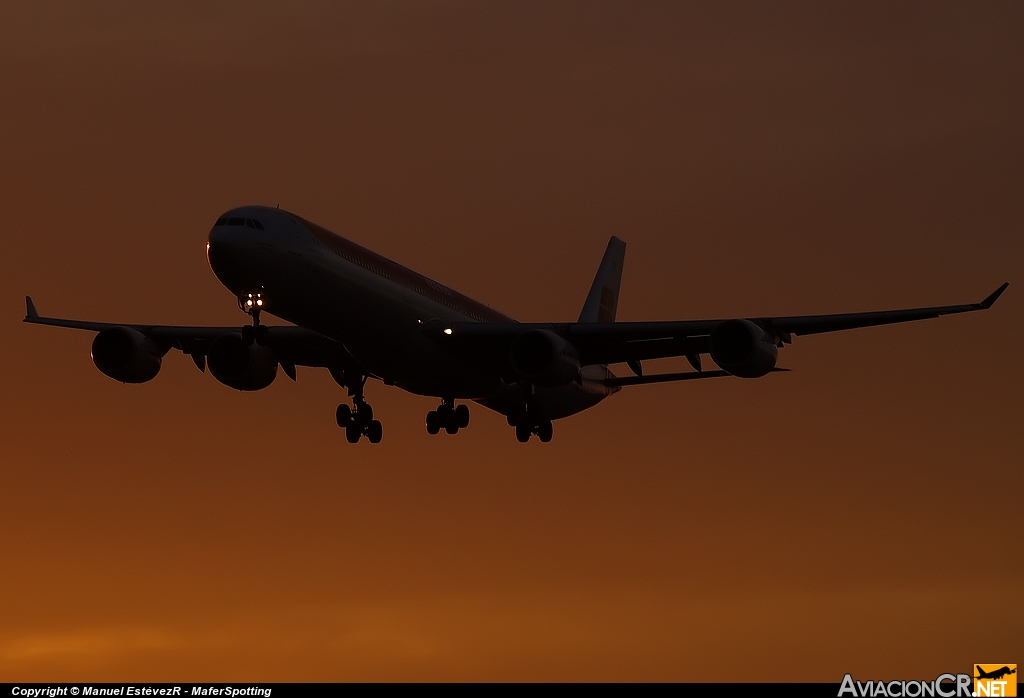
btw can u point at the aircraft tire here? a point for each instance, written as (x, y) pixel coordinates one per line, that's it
(433, 422)
(375, 431)
(353, 433)
(544, 431)
(343, 415)
(523, 433)
(451, 427)
(364, 413)
(462, 416)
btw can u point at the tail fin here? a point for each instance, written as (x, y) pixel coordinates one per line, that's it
(603, 298)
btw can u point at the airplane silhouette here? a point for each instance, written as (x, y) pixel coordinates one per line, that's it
(361, 315)
(997, 674)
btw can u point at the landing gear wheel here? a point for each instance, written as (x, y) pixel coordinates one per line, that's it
(517, 416)
(523, 433)
(462, 416)
(364, 413)
(375, 432)
(357, 420)
(544, 431)
(447, 415)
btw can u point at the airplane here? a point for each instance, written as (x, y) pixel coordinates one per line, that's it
(361, 316)
(995, 675)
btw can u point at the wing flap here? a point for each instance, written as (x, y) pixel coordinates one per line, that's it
(624, 381)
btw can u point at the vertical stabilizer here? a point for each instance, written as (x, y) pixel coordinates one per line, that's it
(603, 298)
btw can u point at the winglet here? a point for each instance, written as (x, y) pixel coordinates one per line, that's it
(987, 303)
(30, 309)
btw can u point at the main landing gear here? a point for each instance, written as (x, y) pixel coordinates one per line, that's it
(358, 421)
(527, 425)
(448, 417)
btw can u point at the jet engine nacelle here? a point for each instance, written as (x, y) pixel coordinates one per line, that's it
(126, 355)
(743, 349)
(240, 365)
(543, 358)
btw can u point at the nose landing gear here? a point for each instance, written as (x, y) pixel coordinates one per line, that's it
(251, 304)
(448, 417)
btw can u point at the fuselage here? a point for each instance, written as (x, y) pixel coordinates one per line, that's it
(377, 309)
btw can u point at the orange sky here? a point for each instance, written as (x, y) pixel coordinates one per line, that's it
(859, 514)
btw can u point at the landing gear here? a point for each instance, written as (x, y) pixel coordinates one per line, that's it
(527, 425)
(448, 417)
(255, 332)
(252, 304)
(358, 421)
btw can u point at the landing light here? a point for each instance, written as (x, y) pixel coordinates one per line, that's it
(448, 330)
(252, 303)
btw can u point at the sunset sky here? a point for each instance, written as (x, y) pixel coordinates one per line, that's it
(860, 513)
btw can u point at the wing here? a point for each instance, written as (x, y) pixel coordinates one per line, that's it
(617, 342)
(294, 346)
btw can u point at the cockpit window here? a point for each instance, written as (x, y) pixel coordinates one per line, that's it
(247, 222)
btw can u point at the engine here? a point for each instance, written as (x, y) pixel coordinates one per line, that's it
(743, 349)
(126, 355)
(240, 365)
(543, 358)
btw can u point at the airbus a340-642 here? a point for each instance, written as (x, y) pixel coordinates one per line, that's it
(361, 315)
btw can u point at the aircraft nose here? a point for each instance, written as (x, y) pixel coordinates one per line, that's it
(218, 244)
(225, 251)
